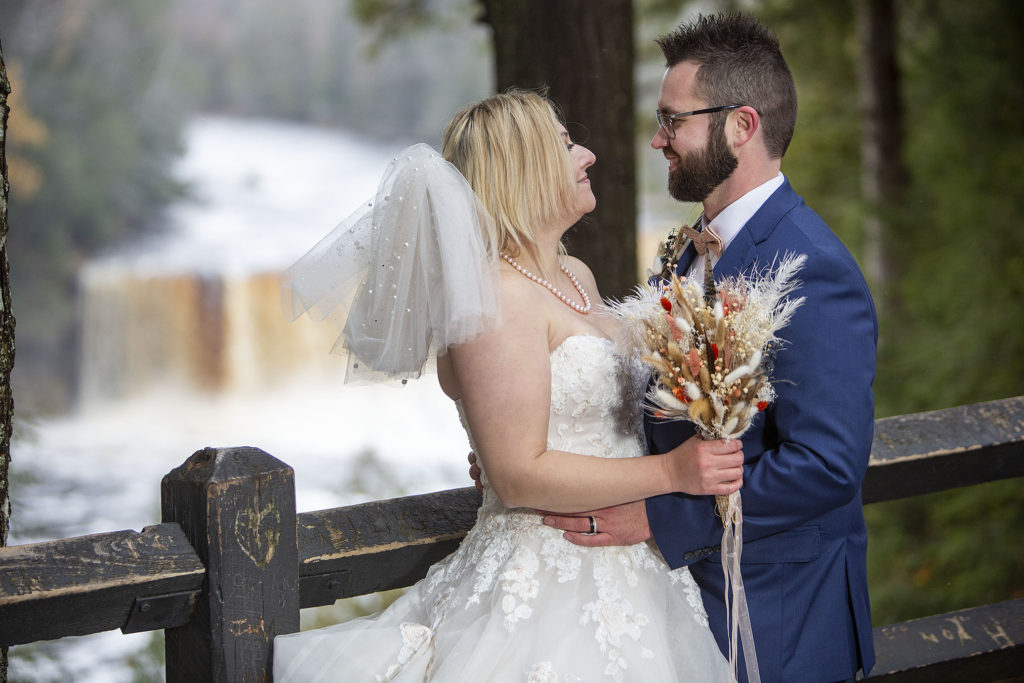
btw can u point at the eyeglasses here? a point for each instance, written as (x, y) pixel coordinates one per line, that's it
(668, 122)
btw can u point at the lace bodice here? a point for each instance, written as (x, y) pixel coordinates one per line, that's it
(595, 406)
(596, 399)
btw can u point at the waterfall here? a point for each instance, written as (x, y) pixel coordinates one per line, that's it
(191, 331)
(198, 308)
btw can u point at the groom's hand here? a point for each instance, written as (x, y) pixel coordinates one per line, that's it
(620, 525)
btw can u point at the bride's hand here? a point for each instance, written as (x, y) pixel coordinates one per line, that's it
(706, 468)
(475, 472)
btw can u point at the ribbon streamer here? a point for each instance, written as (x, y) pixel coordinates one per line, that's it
(737, 615)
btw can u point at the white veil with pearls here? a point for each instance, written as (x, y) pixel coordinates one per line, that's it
(411, 273)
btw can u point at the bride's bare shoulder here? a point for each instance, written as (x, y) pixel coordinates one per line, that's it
(577, 266)
(518, 290)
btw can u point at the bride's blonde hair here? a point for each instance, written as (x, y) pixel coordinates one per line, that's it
(509, 149)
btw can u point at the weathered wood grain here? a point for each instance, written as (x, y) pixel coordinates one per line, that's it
(380, 545)
(89, 584)
(237, 507)
(977, 644)
(943, 449)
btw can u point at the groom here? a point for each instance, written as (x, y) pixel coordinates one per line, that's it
(726, 113)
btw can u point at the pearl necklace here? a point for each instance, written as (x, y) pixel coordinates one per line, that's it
(584, 309)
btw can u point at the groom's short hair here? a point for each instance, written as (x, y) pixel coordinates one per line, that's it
(740, 63)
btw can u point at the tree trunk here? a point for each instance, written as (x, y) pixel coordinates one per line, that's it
(6, 336)
(582, 50)
(884, 176)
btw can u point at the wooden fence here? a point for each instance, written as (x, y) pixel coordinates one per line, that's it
(232, 563)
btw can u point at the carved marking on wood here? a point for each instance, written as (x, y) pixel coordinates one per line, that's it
(258, 532)
(961, 632)
(999, 635)
(241, 627)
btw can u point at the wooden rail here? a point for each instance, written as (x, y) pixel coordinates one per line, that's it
(226, 571)
(124, 579)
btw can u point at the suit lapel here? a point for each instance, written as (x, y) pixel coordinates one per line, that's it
(741, 254)
(685, 259)
(738, 257)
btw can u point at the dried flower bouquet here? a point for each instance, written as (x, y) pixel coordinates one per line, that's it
(711, 347)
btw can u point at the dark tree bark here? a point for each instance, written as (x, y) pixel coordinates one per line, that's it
(884, 176)
(6, 335)
(582, 50)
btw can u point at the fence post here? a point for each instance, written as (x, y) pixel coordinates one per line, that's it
(237, 508)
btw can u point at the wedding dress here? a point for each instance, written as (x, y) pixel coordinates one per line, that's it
(516, 601)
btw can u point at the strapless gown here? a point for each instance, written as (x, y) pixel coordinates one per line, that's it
(516, 601)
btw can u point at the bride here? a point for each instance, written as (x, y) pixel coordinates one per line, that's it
(551, 410)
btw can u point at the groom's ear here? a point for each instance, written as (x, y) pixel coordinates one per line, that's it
(742, 126)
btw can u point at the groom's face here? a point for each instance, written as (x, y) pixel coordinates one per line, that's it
(699, 158)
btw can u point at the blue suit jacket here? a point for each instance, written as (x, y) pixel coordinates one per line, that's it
(804, 549)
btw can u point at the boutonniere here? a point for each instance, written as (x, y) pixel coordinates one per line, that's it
(668, 255)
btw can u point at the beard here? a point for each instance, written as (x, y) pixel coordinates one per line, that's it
(699, 173)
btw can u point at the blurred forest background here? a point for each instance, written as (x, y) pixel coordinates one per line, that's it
(102, 91)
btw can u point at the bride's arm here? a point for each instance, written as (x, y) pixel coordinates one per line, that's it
(505, 383)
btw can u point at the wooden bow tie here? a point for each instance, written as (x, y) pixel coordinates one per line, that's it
(704, 240)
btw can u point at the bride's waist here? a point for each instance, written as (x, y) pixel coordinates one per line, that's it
(515, 527)
(494, 517)
(492, 508)
(492, 512)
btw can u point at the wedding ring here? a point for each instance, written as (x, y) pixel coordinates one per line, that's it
(593, 525)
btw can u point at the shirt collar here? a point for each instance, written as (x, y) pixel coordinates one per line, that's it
(732, 218)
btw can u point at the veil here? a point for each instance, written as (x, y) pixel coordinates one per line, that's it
(409, 274)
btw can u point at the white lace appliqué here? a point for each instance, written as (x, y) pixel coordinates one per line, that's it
(562, 558)
(519, 586)
(543, 672)
(684, 579)
(415, 639)
(614, 615)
